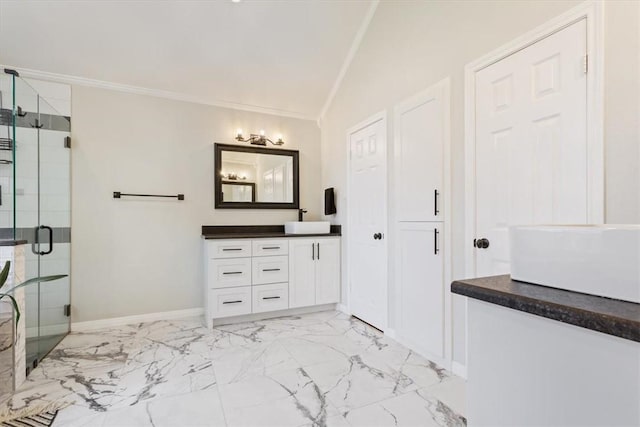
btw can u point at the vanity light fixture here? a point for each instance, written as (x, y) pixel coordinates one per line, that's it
(258, 139)
(233, 176)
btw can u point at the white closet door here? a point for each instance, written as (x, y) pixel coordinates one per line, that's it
(419, 156)
(422, 292)
(531, 142)
(367, 223)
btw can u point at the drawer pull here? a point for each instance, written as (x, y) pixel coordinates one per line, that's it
(271, 297)
(232, 249)
(271, 269)
(232, 272)
(232, 302)
(271, 247)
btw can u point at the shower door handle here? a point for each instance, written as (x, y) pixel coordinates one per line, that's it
(46, 227)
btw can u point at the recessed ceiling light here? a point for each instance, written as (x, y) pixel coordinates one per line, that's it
(235, 1)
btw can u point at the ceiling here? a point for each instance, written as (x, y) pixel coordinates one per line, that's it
(280, 56)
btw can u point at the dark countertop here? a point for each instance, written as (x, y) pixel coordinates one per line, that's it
(257, 232)
(12, 242)
(606, 315)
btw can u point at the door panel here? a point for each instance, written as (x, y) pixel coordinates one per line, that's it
(419, 145)
(531, 144)
(367, 211)
(301, 272)
(328, 271)
(420, 275)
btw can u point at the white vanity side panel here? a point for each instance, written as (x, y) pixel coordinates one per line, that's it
(270, 247)
(528, 370)
(229, 248)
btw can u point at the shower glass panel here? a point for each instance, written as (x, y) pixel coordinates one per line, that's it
(40, 193)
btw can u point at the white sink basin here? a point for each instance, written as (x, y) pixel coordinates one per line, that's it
(307, 227)
(600, 260)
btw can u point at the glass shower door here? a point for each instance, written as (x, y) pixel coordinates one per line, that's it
(53, 238)
(42, 216)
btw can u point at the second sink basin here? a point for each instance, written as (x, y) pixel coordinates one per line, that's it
(307, 227)
(601, 260)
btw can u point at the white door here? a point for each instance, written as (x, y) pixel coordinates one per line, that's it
(531, 143)
(302, 272)
(367, 255)
(328, 271)
(419, 156)
(422, 294)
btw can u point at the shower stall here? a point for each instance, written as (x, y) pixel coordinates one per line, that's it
(35, 200)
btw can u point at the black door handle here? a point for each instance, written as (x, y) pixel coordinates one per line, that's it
(436, 211)
(377, 236)
(435, 241)
(50, 230)
(481, 243)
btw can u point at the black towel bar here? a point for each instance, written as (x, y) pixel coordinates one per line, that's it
(117, 195)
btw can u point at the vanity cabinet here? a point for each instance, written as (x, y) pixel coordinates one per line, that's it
(314, 271)
(245, 276)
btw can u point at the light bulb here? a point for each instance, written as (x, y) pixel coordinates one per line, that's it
(261, 132)
(239, 132)
(279, 137)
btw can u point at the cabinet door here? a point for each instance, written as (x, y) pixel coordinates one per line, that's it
(327, 271)
(420, 132)
(302, 272)
(419, 276)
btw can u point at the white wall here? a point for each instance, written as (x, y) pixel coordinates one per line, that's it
(411, 45)
(135, 256)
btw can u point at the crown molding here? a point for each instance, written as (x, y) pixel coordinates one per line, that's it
(137, 90)
(355, 45)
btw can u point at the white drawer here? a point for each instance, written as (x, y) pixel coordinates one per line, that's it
(229, 248)
(230, 302)
(270, 247)
(227, 273)
(270, 269)
(270, 297)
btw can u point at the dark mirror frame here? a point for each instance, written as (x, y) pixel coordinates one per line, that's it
(217, 160)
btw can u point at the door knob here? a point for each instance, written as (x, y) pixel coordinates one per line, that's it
(377, 236)
(481, 243)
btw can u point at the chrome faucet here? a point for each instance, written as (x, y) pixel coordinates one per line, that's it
(301, 213)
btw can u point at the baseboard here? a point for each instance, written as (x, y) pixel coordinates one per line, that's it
(391, 333)
(459, 369)
(140, 318)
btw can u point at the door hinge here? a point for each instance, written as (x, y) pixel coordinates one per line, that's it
(67, 142)
(585, 63)
(67, 310)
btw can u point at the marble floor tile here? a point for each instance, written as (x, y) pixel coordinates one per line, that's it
(410, 409)
(162, 369)
(239, 363)
(451, 391)
(359, 380)
(248, 333)
(79, 416)
(317, 369)
(200, 408)
(288, 398)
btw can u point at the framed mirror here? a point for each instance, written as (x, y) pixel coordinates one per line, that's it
(249, 177)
